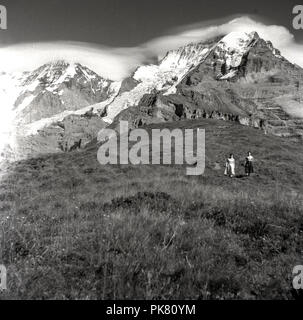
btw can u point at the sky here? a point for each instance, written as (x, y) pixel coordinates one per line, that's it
(114, 36)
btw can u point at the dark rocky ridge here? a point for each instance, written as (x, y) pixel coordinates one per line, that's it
(155, 108)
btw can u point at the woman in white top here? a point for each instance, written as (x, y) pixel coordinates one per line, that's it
(230, 166)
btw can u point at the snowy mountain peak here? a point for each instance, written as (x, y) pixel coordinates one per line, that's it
(57, 72)
(234, 45)
(224, 56)
(57, 87)
(186, 56)
(238, 40)
(58, 63)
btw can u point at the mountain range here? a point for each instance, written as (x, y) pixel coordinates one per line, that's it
(240, 77)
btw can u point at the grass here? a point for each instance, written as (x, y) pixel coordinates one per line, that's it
(73, 229)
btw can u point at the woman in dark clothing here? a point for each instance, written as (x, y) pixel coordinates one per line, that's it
(249, 168)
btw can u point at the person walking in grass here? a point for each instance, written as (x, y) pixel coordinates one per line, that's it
(249, 168)
(230, 166)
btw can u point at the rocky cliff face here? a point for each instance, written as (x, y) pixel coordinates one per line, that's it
(155, 108)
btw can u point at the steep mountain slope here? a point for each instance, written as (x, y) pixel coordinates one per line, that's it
(60, 86)
(162, 77)
(241, 78)
(50, 108)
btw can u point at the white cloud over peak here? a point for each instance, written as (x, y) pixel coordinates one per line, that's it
(280, 36)
(117, 63)
(113, 63)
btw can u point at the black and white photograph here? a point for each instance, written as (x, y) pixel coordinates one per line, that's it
(151, 151)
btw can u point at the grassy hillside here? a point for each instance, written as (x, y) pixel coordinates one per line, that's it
(73, 229)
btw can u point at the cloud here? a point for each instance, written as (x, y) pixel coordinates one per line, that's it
(113, 63)
(117, 63)
(280, 36)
